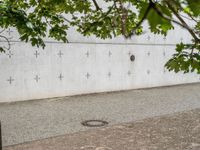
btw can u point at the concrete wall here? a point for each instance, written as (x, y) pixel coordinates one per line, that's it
(88, 65)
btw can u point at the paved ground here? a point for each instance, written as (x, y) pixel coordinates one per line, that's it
(33, 120)
(179, 131)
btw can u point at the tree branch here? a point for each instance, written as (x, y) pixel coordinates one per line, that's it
(96, 5)
(102, 17)
(197, 40)
(166, 17)
(65, 19)
(2, 31)
(7, 40)
(142, 20)
(176, 22)
(123, 18)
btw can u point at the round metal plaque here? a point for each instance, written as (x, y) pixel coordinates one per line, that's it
(132, 58)
(94, 123)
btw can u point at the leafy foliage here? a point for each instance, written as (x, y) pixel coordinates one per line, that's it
(185, 59)
(37, 19)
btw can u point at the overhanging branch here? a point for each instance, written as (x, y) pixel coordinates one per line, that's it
(96, 5)
(185, 25)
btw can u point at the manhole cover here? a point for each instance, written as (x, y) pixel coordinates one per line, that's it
(94, 123)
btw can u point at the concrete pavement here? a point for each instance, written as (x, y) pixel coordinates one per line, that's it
(39, 119)
(179, 131)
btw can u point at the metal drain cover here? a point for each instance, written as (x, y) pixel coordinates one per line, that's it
(94, 123)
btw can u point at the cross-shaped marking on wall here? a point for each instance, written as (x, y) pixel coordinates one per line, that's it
(181, 39)
(61, 77)
(148, 53)
(109, 74)
(10, 80)
(164, 70)
(37, 78)
(60, 54)
(109, 54)
(87, 75)
(148, 38)
(87, 54)
(9, 31)
(129, 73)
(36, 54)
(148, 71)
(10, 54)
(164, 53)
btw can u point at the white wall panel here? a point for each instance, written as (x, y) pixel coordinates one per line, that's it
(88, 65)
